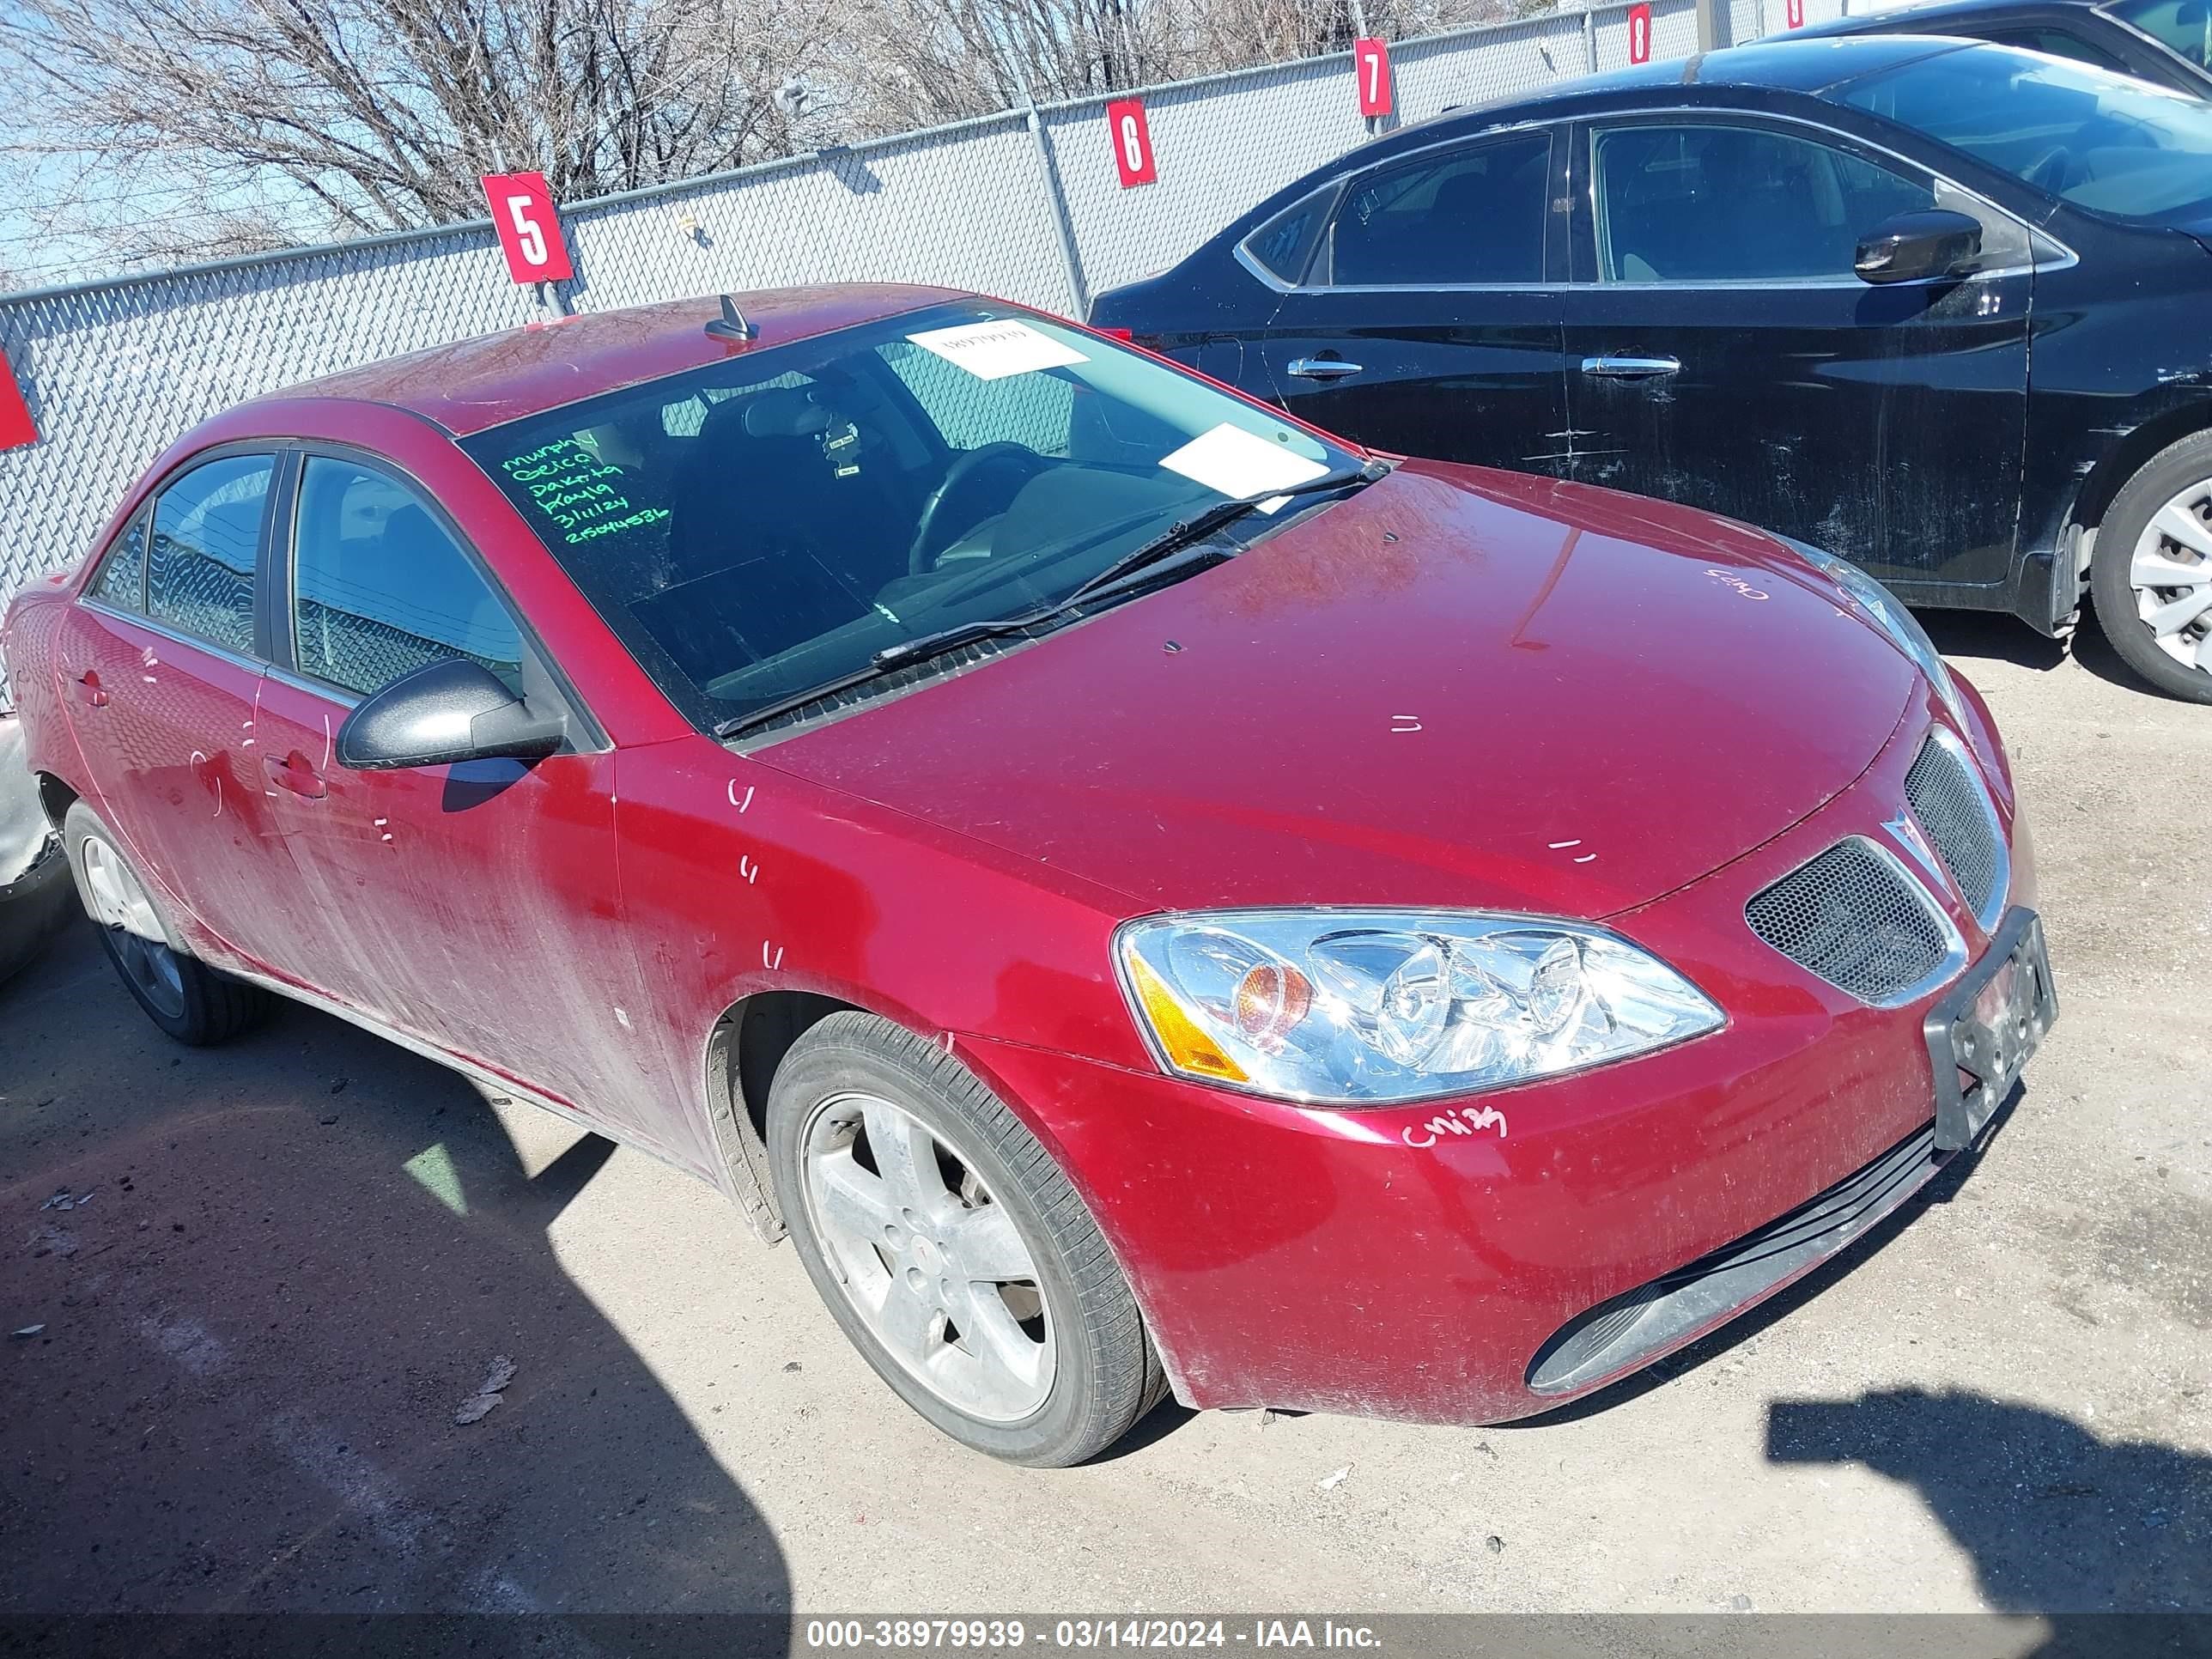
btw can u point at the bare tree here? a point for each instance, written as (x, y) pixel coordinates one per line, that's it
(930, 61)
(267, 119)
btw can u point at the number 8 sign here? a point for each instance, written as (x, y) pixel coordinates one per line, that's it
(1640, 34)
(1132, 141)
(529, 227)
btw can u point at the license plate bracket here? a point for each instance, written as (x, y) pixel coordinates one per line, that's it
(1983, 1033)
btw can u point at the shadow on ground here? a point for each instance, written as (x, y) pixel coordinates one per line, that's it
(1965, 636)
(2058, 1521)
(259, 1326)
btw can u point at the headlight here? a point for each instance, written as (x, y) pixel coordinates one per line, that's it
(1375, 1007)
(1880, 607)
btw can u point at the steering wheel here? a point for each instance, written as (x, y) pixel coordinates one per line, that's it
(917, 552)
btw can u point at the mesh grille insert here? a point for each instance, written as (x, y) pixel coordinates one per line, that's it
(1856, 920)
(1951, 807)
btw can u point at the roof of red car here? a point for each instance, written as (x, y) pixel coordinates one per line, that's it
(475, 384)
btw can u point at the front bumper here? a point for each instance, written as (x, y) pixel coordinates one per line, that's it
(1424, 1263)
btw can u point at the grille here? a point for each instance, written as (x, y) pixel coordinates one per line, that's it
(1854, 917)
(1951, 807)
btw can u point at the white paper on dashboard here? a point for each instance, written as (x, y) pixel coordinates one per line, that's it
(991, 351)
(1240, 462)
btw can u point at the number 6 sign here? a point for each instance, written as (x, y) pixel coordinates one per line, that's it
(1132, 141)
(1371, 58)
(529, 227)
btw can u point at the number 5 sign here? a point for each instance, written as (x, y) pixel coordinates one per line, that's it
(529, 227)
(1640, 34)
(1132, 141)
(1371, 58)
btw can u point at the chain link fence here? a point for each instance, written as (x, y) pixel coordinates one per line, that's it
(1025, 205)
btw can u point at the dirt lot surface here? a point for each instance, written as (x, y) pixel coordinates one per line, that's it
(287, 1262)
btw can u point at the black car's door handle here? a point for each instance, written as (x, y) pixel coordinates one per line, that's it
(1321, 368)
(1632, 369)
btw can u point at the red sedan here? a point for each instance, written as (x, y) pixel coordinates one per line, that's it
(1148, 896)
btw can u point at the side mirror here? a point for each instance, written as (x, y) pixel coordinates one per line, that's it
(1910, 247)
(455, 710)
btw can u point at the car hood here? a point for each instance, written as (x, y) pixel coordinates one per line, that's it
(1457, 688)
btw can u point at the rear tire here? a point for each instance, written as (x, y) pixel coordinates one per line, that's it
(192, 1002)
(2151, 578)
(951, 1250)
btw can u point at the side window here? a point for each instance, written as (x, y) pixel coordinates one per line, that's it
(1033, 411)
(1683, 203)
(1473, 216)
(207, 537)
(378, 588)
(122, 579)
(1282, 246)
(2056, 43)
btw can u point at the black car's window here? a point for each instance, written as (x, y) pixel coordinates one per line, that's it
(759, 527)
(121, 581)
(2102, 142)
(1473, 215)
(1688, 203)
(1283, 246)
(2182, 26)
(2058, 43)
(379, 589)
(206, 539)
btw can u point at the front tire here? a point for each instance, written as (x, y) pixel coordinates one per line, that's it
(2151, 578)
(951, 1249)
(192, 1002)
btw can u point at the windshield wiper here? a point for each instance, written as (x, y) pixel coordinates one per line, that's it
(1146, 556)
(1180, 534)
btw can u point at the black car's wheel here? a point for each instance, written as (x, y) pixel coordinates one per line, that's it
(951, 1250)
(2152, 576)
(190, 1001)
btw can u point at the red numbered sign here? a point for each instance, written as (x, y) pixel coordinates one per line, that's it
(17, 427)
(1371, 60)
(1639, 33)
(1132, 141)
(529, 227)
(1795, 11)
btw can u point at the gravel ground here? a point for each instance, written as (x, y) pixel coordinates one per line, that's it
(301, 1253)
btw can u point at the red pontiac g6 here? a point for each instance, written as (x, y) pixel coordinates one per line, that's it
(1149, 897)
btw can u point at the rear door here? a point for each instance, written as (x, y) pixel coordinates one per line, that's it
(474, 907)
(1721, 351)
(1423, 322)
(160, 662)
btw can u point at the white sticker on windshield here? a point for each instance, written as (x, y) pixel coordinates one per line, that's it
(991, 351)
(1240, 462)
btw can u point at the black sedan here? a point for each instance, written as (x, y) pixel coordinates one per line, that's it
(2165, 42)
(1938, 306)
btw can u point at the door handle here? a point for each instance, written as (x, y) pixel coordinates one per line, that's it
(295, 774)
(1321, 368)
(1632, 369)
(88, 688)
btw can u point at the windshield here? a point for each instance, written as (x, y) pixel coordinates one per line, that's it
(771, 524)
(2099, 141)
(2182, 26)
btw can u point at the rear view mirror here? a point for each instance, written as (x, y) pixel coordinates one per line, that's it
(1911, 247)
(455, 710)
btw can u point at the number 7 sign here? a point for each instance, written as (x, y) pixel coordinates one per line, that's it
(1371, 60)
(529, 227)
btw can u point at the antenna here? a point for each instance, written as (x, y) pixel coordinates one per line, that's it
(732, 324)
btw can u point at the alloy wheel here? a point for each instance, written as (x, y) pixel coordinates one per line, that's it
(933, 1266)
(141, 949)
(2171, 576)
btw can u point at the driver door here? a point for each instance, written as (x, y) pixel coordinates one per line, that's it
(1721, 351)
(473, 907)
